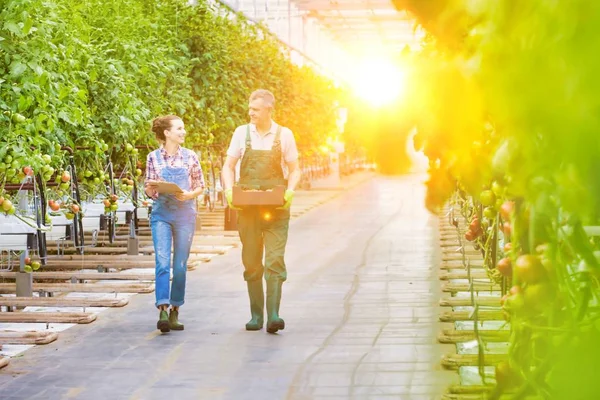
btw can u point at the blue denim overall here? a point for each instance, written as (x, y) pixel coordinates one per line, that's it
(173, 223)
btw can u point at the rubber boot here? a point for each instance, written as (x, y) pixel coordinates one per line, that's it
(257, 305)
(174, 322)
(274, 323)
(163, 322)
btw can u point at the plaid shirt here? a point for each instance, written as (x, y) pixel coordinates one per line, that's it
(153, 171)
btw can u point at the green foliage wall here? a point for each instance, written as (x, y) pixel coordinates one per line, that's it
(95, 73)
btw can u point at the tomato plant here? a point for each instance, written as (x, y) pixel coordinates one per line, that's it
(91, 75)
(506, 107)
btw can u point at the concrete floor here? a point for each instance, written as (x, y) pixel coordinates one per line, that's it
(360, 305)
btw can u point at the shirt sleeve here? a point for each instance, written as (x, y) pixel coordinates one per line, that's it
(196, 175)
(290, 151)
(235, 149)
(151, 171)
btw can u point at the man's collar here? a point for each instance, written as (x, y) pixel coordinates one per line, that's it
(273, 129)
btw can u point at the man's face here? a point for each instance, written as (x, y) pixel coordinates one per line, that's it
(260, 113)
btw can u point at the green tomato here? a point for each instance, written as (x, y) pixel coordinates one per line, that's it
(18, 118)
(515, 302)
(489, 212)
(497, 188)
(498, 204)
(487, 198)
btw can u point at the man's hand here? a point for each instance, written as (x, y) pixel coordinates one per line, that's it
(229, 197)
(288, 197)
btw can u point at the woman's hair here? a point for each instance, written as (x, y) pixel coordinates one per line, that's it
(160, 124)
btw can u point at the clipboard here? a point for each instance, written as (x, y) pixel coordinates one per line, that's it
(165, 187)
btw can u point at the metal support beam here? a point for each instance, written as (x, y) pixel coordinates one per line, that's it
(343, 5)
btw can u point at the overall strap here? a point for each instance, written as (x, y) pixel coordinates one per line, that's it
(185, 155)
(277, 139)
(160, 160)
(248, 138)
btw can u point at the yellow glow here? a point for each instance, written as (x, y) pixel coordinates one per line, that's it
(379, 81)
(267, 216)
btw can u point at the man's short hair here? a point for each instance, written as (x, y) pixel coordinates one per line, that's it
(264, 94)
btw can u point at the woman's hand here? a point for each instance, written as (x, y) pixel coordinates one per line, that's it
(151, 191)
(185, 196)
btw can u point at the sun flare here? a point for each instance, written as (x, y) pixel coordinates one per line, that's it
(379, 81)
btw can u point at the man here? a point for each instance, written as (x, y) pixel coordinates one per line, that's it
(269, 157)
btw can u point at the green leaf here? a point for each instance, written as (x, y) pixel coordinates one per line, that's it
(14, 28)
(35, 67)
(17, 68)
(65, 117)
(27, 26)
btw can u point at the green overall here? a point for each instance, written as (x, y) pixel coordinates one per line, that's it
(263, 231)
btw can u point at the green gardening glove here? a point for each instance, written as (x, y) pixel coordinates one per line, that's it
(288, 197)
(229, 197)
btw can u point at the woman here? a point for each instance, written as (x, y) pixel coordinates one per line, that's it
(173, 218)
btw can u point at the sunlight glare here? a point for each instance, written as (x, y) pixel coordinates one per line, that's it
(379, 81)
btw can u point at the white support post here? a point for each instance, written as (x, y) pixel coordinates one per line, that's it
(289, 21)
(304, 20)
(133, 242)
(24, 280)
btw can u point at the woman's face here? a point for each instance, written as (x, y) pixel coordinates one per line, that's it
(176, 134)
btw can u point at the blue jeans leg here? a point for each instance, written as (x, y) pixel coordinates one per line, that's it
(182, 243)
(162, 236)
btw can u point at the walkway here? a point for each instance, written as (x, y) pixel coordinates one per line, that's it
(361, 311)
